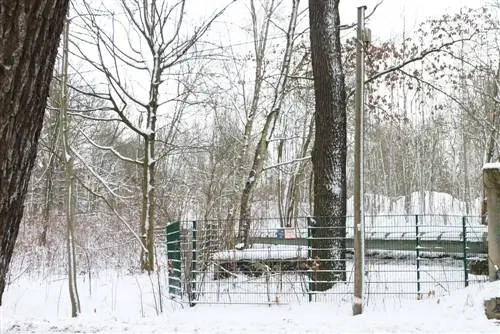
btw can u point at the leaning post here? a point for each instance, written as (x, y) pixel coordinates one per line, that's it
(491, 179)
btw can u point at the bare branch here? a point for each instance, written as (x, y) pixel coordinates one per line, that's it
(485, 123)
(112, 150)
(353, 25)
(407, 62)
(96, 175)
(287, 163)
(108, 203)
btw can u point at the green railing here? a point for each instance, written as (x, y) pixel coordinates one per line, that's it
(417, 255)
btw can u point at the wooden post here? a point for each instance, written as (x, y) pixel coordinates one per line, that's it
(491, 179)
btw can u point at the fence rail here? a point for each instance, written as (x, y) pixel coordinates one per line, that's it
(406, 256)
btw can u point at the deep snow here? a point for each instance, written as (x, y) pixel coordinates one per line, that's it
(116, 303)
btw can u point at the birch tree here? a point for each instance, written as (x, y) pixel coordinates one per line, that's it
(260, 35)
(278, 96)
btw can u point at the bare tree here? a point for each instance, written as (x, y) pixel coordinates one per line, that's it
(261, 151)
(158, 27)
(260, 32)
(69, 178)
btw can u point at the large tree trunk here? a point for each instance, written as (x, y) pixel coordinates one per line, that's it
(29, 37)
(329, 152)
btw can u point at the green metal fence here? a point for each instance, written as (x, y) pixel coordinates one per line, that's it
(414, 256)
(173, 245)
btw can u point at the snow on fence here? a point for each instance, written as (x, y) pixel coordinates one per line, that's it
(406, 256)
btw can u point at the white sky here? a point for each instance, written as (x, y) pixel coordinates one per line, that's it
(394, 16)
(390, 19)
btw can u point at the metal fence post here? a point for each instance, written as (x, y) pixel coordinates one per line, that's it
(193, 264)
(309, 257)
(464, 239)
(417, 248)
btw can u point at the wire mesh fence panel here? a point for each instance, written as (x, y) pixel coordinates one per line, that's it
(415, 256)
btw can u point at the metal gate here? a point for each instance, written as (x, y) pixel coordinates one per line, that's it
(406, 256)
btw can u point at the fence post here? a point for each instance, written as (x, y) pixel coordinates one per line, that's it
(309, 257)
(466, 266)
(417, 248)
(193, 264)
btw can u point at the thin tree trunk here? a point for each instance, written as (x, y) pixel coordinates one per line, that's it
(30, 32)
(293, 196)
(149, 165)
(148, 206)
(330, 150)
(70, 182)
(49, 183)
(70, 218)
(258, 163)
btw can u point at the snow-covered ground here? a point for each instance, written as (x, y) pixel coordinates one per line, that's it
(114, 302)
(117, 301)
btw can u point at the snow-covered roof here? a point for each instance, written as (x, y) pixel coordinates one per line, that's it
(492, 165)
(260, 252)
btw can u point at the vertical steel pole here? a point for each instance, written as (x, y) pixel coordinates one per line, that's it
(466, 262)
(417, 248)
(358, 167)
(193, 264)
(309, 256)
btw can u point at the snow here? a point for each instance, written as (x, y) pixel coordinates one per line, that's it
(335, 188)
(123, 303)
(117, 301)
(239, 245)
(439, 208)
(492, 165)
(439, 216)
(148, 131)
(260, 252)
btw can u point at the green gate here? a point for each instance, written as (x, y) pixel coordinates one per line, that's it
(177, 258)
(174, 259)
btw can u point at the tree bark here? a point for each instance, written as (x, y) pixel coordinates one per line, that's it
(329, 151)
(29, 37)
